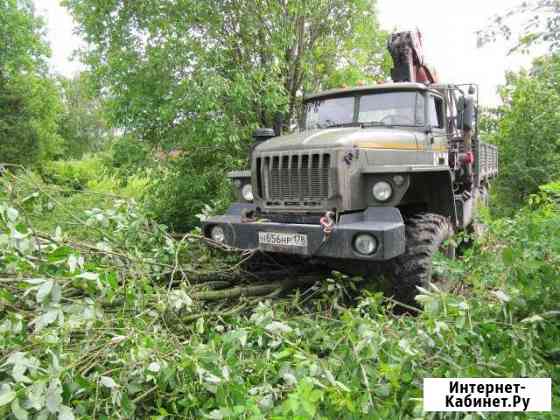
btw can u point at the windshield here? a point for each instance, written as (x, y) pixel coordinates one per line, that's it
(393, 108)
(384, 108)
(326, 113)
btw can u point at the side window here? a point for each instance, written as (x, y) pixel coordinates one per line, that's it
(419, 117)
(435, 112)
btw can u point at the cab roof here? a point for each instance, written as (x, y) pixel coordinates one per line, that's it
(389, 86)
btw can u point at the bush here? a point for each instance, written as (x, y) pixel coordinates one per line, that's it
(127, 156)
(174, 185)
(29, 99)
(134, 186)
(179, 193)
(528, 134)
(73, 174)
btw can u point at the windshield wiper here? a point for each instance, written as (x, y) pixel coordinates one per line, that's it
(373, 124)
(382, 124)
(333, 124)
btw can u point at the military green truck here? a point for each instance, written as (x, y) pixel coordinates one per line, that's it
(376, 176)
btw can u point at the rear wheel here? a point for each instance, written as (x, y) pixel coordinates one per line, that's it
(426, 234)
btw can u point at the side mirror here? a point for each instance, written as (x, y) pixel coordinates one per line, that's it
(263, 134)
(468, 113)
(465, 113)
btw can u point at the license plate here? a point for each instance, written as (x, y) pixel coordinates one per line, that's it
(283, 239)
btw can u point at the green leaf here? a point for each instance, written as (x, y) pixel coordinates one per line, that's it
(36, 395)
(44, 290)
(56, 293)
(383, 390)
(12, 214)
(154, 367)
(108, 382)
(46, 319)
(533, 319)
(30, 197)
(501, 295)
(88, 276)
(60, 254)
(19, 413)
(54, 396)
(508, 256)
(6, 394)
(65, 413)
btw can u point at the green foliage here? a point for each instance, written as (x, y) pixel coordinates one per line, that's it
(540, 24)
(74, 174)
(489, 122)
(529, 132)
(134, 187)
(29, 102)
(196, 78)
(98, 308)
(82, 124)
(292, 44)
(29, 109)
(93, 324)
(22, 48)
(127, 155)
(40, 119)
(177, 195)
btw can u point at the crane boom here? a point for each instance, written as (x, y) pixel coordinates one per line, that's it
(407, 53)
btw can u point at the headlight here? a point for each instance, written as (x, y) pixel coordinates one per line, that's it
(217, 234)
(247, 192)
(382, 191)
(365, 244)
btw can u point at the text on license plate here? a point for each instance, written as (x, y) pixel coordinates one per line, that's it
(283, 239)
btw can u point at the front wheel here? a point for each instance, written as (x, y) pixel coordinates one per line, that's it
(426, 234)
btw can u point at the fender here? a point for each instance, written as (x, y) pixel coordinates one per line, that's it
(434, 192)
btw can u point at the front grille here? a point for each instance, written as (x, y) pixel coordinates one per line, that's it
(294, 179)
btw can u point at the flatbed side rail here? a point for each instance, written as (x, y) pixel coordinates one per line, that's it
(486, 160)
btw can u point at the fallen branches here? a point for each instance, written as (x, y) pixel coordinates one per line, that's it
(256, 290)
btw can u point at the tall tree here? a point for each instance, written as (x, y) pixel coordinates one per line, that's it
(314, 44)
(528, 133)
(82, 123)
(21, 45)
(29, 101)
(150, 53)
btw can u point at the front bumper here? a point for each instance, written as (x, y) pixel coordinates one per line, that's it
(384, 223)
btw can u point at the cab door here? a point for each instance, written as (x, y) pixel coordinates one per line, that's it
(435, 146)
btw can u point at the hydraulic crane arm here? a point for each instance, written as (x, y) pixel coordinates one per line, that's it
(408, 58)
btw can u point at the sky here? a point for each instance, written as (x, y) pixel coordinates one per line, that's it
(61, 37)
(448, 27)
(450, 43)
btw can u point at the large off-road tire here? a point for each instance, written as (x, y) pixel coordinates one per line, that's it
(426, 234)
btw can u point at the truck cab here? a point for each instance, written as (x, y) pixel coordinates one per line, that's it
(348, 141)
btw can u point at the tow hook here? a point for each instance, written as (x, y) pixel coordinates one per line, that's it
(327, 226)
(248, 216)
(327, 222)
